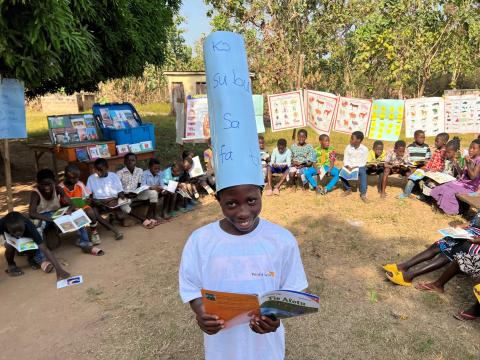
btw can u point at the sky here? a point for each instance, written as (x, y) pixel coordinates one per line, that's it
(197, 22)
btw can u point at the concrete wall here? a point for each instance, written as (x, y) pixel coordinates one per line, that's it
(189, 83)
(57, 104)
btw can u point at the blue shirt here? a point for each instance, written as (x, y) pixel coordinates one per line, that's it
(167, 175)
(149, 180)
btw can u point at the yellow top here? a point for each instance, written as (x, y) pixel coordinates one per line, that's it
(373, 159)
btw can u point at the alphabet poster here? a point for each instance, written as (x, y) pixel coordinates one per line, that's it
(197, 125)
(462, 114)
(386, 120)
(425, 114)
(352, 115)
(286, 111)
(320, 110)
(12, 109)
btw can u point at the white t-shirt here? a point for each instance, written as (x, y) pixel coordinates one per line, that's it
(355, 157)
(266, 259)
(104, 188)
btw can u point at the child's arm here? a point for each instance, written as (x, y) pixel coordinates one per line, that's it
(32, 208)
(61, 273)
(473, 170)
(210, 324)
(66, 200)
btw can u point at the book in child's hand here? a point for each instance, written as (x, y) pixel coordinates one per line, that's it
(236, 309)
(321, 172)
(183, 193)
(139, 190)
(172, 186)
(73, 222)
(21, 244)
(115, 203)
(349, 174)
(418, 174)
(456, 233)
(196, 169)
(440, 177)
(60, 212)
(78, 202)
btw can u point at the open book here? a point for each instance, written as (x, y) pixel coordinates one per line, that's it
(196, 169)
(21, 244)
(138, 190)
(236, 309)
(439, 177)
(349, 174)
(115, 203)
(76, 220)
(456, 233)
(172, 186)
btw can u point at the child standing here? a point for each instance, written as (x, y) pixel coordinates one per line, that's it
(303, 157)
(355, 157)
(396, 162)
(376, 162)
(418, 151)
(279, 164)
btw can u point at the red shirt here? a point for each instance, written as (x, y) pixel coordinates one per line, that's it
(437, 161)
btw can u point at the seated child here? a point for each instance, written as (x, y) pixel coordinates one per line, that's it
(79, 197)
(44, 201)
(208, 160)
(107, 193)
(18, 226)
(435, 163)
(418, 151)
(131, 178)
(355, 157)
(172, 173)
(153, 178)
(326, 157)
(396, 162)
(279, 164)
(376, 162)
(303, 157)
(202, 180)
(445, 195)
(264, 156)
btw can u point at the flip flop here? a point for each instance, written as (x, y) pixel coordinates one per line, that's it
(476, 292)
(427, 287)
(463, 316)
(390, 267)
(93, 250)
(119, 236)
(47, 267)
(148, 224)
(397, 278)
(14, 271)
(33, 264)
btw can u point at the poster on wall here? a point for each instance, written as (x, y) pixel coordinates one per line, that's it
(386, 120)
(462, 114)
(425, 114)
(320, 110)
(12, 109)
(286, 111)
(197, 124)
(352, 115)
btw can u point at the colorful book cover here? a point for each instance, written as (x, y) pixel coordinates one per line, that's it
(93, 152)
(128, 116)
(146, 145)
(122, 149)
(135, 148)
(78, 123)
(56, 122)
(103, 150)
(82, 134)
(106, 119)
(91, 133)
(82, 154)
(89, 120)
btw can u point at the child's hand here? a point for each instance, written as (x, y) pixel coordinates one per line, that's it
(210, 324)
(264, 325)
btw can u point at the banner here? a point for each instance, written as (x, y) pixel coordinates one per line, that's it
(197, 125)
(286, 111)
(352, 115)
(425, 114)
(386, 120)
(258, 108)
(12, 109)
(320, 110)
(462, 114)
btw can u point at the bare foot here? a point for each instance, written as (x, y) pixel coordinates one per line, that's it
(430, 287)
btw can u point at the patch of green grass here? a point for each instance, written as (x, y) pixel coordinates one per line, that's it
(431, 299)
(424, 344)
(158, 108)
(36, 124)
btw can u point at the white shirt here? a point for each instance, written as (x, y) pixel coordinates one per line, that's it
(266, 259)
(104, 188)
(355, 157)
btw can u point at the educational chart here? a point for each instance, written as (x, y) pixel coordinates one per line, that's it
(425, 114)
(286, 111)
(12, 109)
(320, 110)
(197, 125)
(386, 120)
(258, 107)
(352, 115)
(462, 114)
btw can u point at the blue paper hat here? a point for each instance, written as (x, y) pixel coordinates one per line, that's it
(236, 153)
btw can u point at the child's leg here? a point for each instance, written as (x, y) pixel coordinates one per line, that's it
(346, 185)
(269, 177)
(425, 255)
(310, 174)
(438, 285)
(386, 173)
(440, 261)
(381, 175)
(409, 187)
(362, 175)
(282, 179)
(12, 268)
(105, 223)
(335, 177)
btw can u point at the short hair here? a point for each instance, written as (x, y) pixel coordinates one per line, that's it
(323, 136)
(152, 162)
(476, 141)
(282, 142)
(128, 154)
(377, 143)
(45, 174)
(358, 135)
(454, 143)
(13, 219)
(260, 137)
(303, 131)
(399, 144)
(72, 169)
(189, 160)
(418, 132)
(444, 136)
(100, 162)
(186, 153)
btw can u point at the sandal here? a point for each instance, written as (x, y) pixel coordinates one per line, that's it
(397, 278)
(428, 287)
(47, 267)
(476, 292)
(93, 250)
(148, 224)
(464, 316)
(390, 267)
(14, 270)
(119, 236)
(96, 239)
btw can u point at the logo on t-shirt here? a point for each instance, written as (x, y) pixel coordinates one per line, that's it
(264, 274)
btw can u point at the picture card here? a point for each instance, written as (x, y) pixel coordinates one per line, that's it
(425, 114)
(386, 120)
(352, 115)
(320, 110)
(286, 111)
(74, 280)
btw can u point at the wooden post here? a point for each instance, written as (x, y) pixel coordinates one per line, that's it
(299, 84)
(8, 174)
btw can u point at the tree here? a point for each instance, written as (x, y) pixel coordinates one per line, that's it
(74, 45)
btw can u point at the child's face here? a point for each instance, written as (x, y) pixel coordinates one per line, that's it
(241, 206)
(474, 150)
(186, 166)
(130, 162)
(378, 150)
(102, 171)
(325, 142)
(155, 169)
(302, 138)
(400, 151)
(16, 230)
(71, 178)
(420, 139)
(46, 187)
(281, 149)
(176, 170)
(355, 142)
(450, 153)
(261, 143)
(439, 142)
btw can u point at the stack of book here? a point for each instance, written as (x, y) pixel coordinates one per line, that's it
(65, 129)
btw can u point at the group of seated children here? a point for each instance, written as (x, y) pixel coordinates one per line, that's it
(309, 164)
(105, 191)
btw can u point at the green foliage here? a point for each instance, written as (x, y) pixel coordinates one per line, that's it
(76, 44)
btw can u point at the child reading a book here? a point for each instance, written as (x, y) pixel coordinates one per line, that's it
(355, 157)
(436, 163)
(376, 162)
(279, 164)
(198, 181)
(44, 202)
(396, 162)
(303, 157)
(172, 173)
(418, 151)
(469, 182)
(153, 178)
(264, 156)
(18, 226)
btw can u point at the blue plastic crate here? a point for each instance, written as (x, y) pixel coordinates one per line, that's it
(144, 132)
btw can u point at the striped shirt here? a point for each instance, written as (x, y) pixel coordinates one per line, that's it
(418, 152)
